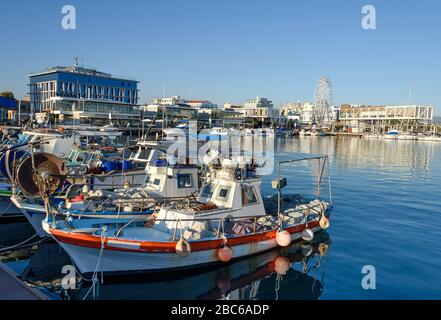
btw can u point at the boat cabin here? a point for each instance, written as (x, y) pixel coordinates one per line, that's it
(168, 178)
(54, 143)
(235, 192)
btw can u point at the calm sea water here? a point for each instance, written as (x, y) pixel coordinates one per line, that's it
(386, 214)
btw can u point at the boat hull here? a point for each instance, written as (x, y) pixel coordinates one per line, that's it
(35, 214)
(126, 257)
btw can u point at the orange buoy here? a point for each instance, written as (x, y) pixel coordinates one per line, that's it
(225, 254)
(183, 248)
(283, 238)
(281, 265)
(324, 222)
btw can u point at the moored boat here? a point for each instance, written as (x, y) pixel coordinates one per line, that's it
(227, 221)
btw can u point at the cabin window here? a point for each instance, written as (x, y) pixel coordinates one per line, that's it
(248, 195)
(141, 154)
(156, 182)
(147, 178)
(223, 193)
(185, 181)
(207, 190)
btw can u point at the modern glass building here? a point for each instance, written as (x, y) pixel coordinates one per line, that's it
(78, 93)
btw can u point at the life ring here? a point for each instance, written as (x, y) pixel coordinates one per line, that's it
(183, 248)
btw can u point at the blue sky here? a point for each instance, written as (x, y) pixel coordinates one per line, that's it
(234, 50)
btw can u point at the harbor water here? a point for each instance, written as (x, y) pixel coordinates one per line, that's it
(386, 215)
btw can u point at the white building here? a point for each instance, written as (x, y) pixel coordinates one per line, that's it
(178, 101)
(360, 117)
(172, 101)
(201, 104)
(307, 113)
(259, 108)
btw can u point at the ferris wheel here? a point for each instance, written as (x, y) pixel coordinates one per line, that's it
(323, 114)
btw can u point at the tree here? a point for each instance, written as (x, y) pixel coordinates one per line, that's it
(7, 94)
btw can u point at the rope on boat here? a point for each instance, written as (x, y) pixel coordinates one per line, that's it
(4, 211)
(19, 244)
(95, 273)
(277, 288)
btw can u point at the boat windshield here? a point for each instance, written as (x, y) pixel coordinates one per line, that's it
(72, 155)
(207, 190)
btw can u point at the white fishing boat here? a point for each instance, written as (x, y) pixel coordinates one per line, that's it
(230, 219)
(165, 180)
(407, 136)
(371, 135)
(391, 135)
(219, 131)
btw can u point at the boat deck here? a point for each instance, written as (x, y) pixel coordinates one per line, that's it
(13, 288)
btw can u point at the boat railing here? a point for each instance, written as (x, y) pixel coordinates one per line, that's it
(278, 221)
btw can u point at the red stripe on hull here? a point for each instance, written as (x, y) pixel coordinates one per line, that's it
(148, 246)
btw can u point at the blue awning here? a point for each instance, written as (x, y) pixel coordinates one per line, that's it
(8, 103)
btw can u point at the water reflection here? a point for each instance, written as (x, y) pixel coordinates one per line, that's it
(362, 152)
(14, 233)
(278, 274)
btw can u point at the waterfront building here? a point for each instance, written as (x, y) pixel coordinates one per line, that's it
(358, 118)
(290, 114)
(7, 109)
(227, 118)
(178, 101)
(259, 110)
(171, 114)
(206, 113)
(335, 113)
(84, 94)
(291, 107)
(172, 101)
(307, 113)
(201, 104)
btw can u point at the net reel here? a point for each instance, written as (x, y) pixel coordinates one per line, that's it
(41, 174)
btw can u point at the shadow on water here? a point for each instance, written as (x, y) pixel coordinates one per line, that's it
(296, 272)
(14, 232)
